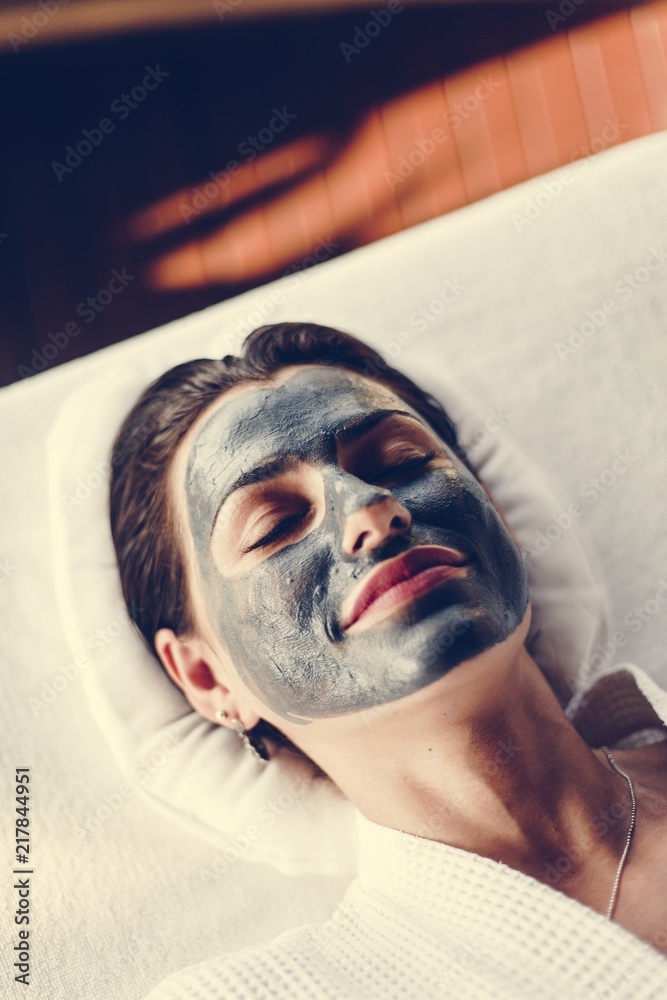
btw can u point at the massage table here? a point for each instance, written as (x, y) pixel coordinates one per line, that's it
(547, 304)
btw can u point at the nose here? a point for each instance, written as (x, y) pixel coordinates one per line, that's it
(374, 520)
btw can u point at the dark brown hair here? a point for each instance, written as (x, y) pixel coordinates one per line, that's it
(144, 526)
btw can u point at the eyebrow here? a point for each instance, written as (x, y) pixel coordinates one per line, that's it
(275, 465)
(358, 426)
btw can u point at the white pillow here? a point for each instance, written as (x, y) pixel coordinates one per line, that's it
(199, 773)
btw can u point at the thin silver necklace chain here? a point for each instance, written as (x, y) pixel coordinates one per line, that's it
(617, 880)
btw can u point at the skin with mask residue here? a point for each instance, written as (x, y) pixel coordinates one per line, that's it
(273, 479)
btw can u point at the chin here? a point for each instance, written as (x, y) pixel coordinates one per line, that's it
(446, 638)
(484, 649)
(462, 680)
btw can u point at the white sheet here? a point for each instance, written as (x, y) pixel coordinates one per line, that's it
(116, 909)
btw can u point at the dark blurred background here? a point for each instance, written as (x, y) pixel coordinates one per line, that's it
(330, 117)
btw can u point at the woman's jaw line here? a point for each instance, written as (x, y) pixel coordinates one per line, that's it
(378, 733)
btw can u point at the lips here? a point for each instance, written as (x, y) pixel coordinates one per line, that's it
(398, 580)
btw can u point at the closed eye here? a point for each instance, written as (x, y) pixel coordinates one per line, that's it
(403, 469)
(280, 530)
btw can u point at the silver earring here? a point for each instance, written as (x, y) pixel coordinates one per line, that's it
(256, 747)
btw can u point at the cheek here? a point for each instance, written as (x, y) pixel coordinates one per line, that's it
(301, 585)
(443, 498)
(286, 597)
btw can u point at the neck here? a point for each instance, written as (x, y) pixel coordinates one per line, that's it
(488, 762)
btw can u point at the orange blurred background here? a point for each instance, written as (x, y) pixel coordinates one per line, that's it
(243, 149)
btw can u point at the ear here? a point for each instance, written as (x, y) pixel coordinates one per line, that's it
(198, 672)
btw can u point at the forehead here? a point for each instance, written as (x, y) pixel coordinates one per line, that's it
(293, 415)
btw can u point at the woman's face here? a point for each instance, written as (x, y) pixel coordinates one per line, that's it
(345, 558)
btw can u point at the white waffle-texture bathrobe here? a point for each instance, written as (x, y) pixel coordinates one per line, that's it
(425, 921)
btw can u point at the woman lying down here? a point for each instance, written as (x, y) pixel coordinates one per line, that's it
(315, 547)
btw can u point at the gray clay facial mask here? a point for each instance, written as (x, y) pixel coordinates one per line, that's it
(271, 559)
